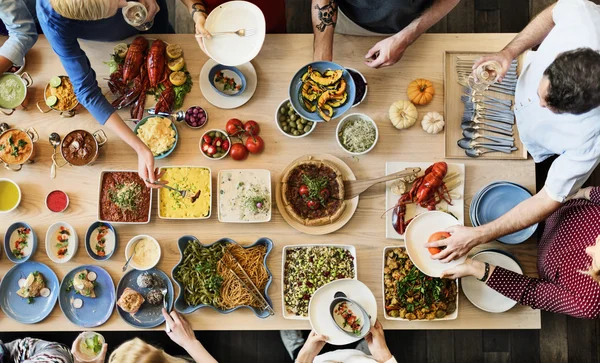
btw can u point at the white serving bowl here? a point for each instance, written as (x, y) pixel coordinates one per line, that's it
(285, 133)
(51, 242)
(129, 250)
(18, 200)
(355, 116)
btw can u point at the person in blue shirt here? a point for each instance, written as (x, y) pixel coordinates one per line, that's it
(64, 22)
(22, 33)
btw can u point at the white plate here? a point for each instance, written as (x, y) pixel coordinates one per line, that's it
(231, 49)
(209, 191)
(100, 195)
(264, 178)
(320, 317)
(51, 242)
(287, 315)
(227, 102)
(483, 296)
(457, 208)
(417, 234)
(452, 316)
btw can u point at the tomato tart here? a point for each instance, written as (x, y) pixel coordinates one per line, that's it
(313, 192)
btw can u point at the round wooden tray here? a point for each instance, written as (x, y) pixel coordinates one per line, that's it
(351, 204)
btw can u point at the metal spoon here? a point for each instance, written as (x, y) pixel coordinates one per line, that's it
(129, 259)
(177, 116)
(166, 306)
(478, 151)
(467, 144)
(54, 141)
(4, 126)
(474, 134)
(474, 126)
(498, 125)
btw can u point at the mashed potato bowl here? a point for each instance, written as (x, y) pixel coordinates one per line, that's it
(159, 134)
(193, 179)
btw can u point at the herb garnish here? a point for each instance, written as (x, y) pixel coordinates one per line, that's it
(125, 195)
(315, 185)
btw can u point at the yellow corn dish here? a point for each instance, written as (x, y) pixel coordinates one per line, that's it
(172, 205)
(158, 134)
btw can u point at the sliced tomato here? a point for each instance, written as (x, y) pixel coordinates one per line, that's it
(303, 190)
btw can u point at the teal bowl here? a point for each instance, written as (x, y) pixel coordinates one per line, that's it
(168, 152)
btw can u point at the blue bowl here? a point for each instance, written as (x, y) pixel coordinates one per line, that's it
(180, 304)
(237, 72)
(88, 246)
(149, 316)
(95, 311)
(168, 152)
(7, 236)
(296, 86)
(17, 307)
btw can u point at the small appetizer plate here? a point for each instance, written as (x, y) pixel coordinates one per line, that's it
(12, 238)
(92, 312)
(149, 315)
(341, 306)
(20, 309)
(94, 244)
(61, 240)
(226, 74)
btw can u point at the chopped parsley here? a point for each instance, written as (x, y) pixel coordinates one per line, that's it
(125, 195)
(315, 185)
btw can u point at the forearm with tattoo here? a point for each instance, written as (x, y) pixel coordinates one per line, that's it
(327, 15)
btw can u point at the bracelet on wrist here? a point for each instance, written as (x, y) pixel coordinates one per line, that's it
(486, 273)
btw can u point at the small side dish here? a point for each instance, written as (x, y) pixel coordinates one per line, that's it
(79, 148)
(228, 81)
(306, 269)
(61, 242)
(158, 133)
(33, 286)
(215, 144)
(410, 294)
(16, 147)
(13, 90)
(102, 240)
(357, 134)
(10, 195)
(322, 92)
(124, 198)
(90, 345)
(196, 117)
(194, 180)
(361, 85)
(130, 301)
(20, 243)
(347, 319)
(60, 94)
(244, 196)
(57, 201)
(147, 252)
(290, 123)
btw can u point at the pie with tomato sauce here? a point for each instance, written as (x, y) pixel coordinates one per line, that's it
(313, 192)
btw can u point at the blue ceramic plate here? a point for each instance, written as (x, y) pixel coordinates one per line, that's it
(231, 72)
(95, 311)
(498, 200)
(168, 152)
(476, 198)
(111, 241)
(180, 304)
(296, 86)
(31, 244)
(149, 316)
(17, 307)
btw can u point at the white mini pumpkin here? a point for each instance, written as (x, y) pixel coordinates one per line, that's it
(433, 122)
(403, 114)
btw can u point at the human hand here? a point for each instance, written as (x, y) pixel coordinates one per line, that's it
(461, 241)
(387, 52)
(201, 32)
(146, 169)
(462, 270)
(503, 57)
(152, 8)
(377, 344)
(181, 330)
(583, 193)
(81, 359)
(312, 347)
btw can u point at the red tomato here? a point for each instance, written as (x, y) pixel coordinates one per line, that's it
(225, 144)
(325, 194)
(207, 139)
(255, 144)
(211, 150)
(234, 126)
(303, 191)
(217, 141)
(252, 128)
(238, 151)
(437, 236)
(312, 204)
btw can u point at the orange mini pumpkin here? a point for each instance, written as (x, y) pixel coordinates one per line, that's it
(420, 91)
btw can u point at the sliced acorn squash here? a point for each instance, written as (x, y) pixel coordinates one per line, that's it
(308, 106)
(335, 102)
(305, 76)
(326, 80)
(326, 112)
(341, 89)
(309, 93)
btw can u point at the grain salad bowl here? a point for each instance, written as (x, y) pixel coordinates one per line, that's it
(345, 122)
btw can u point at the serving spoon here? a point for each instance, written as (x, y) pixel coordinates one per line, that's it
(468, 144)
(54, 141)
(355, 187)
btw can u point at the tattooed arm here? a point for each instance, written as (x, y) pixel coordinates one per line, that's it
(198, 12)
(324, 16)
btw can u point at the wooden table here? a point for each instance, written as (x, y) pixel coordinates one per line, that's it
(280, 58)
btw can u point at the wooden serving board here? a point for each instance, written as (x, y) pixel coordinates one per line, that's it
(351, 204)
(454, 109)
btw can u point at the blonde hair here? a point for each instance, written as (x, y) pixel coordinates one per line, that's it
(138, 351)
(81, 9)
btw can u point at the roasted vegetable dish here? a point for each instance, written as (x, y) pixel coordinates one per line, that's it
(322, 92)
(412, 295)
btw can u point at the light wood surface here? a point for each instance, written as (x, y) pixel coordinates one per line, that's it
(280, 58)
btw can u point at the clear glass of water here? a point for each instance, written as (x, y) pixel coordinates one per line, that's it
(135, 14)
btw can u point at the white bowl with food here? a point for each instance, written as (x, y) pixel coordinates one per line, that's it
(357, 134)
(286, 117)
(215, 144)
(61, 242)
(10, 195)
(244, 196)
(147, 252)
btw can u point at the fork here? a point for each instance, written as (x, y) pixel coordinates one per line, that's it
(183, 193)
(166, 306)
(240, 32)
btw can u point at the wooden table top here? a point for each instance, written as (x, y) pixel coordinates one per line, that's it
(280, 58)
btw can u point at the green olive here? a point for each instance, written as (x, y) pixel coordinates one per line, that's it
(306, 128)
(292, 124)
(295, 133)
(294, 117)
(289, 104)
(283, 124)
(286, 129)
(303, 121)
(299, 126)
(211, 134)
(309, 123)
(281, 118)
(217, 155)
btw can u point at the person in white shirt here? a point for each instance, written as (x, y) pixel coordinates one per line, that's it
(373, 349)
(557, 110)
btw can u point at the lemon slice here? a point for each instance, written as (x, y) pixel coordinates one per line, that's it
(120, 50)
(176, 64)
(55, 81)
(51, 101)
(29, 280)
(177, 78)
(174, 51)
(398, 187)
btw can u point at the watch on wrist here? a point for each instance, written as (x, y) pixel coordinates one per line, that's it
(198, 8)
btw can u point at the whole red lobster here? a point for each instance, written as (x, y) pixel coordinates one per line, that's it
(427, 191)
(134, 58)
(156, 62)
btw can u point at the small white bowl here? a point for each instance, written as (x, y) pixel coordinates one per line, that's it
(314, 125)
(358, 102)
(355, 116)
(51, 242)
(202, 138)
(18, 200)
(129, 250)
